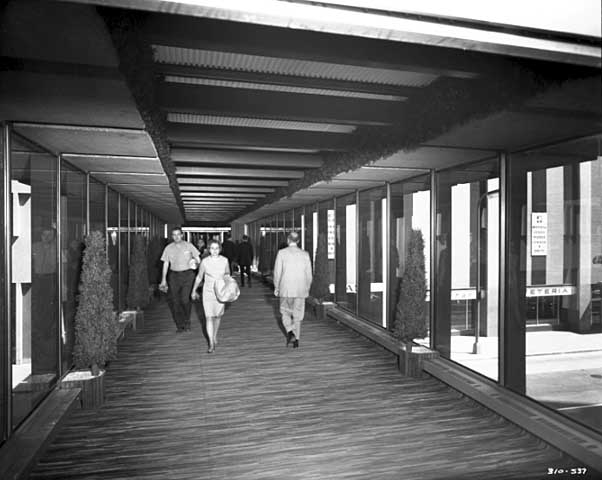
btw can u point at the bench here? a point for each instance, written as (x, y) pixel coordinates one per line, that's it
(21, 451)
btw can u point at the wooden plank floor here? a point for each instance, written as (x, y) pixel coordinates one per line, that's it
(334, 408)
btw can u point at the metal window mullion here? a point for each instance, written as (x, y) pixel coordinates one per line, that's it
(6, 324)
(386, 217)
(107, 221)
(87, 204)
(334, 219)
(433, 262)
(59, 262)
(119, 253)
(504, 243)
(357, 251)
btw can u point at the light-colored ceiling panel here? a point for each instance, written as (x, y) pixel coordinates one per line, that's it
(227, 121)
(290, 66)
(282, 88)
(433, 158)
(131, 178)
(89, 140)
(199, 156)
(116, 164)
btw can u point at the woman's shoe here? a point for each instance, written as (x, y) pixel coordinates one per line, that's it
(211, 349)
(296, 343)
(289, 337)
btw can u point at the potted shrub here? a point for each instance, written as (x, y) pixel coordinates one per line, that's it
(155, 248)
(320, 286)
(138, 285)
(96, 325)
(263, 265)
(410, 311)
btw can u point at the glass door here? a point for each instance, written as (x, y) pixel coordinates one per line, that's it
(467, 276)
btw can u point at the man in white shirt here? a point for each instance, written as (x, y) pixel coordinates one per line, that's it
(292, 279)
(180, 260)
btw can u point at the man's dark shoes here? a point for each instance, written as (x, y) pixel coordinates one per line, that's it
(289, 337)
(296, 343)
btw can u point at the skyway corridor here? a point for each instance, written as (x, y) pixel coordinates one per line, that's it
(335, 408)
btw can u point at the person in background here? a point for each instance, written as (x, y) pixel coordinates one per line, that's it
(292, 280)
(245, 259)
(202, 248)
(212, 268)
(229, 250)
(180, 259)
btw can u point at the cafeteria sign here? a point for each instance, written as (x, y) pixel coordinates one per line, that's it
(539, 234)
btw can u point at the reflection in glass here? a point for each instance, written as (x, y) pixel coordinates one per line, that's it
(556, 198)
(467, 276)
(73, 226)
(113, 243)
(371, 281)
(326, 227)
(124, 252)
(410, 210)
(34, 276)
(345, 251)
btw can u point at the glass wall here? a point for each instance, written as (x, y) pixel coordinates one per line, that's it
(34, 287)
(326, 227)
(97, 206)
(346, 253)
(73, 231)
(556, 253)
(467, 289)
(48, 206)
(410, 211)
(113, 242)
(371, 264)
(5, 363)
(124, 249)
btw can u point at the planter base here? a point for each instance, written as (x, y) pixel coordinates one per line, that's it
(92, 388)
(412, 364)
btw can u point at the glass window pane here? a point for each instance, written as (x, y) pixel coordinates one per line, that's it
(372, 205)
(4, 387)
(467, 289)
(73, 226)
(97, 206)
(326, 227)
(34, 277)
(113, 243)
(124, 254)
(345, 251)
(557, 201)
(410, 211)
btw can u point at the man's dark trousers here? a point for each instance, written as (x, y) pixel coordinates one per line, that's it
(245, 269)
(180, 287)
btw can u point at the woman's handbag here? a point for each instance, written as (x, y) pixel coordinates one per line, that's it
(226, 289)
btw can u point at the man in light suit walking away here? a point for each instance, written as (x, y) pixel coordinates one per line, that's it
(292, 279)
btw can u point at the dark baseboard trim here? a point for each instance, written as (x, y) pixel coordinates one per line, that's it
(22, 450)
(581, 443)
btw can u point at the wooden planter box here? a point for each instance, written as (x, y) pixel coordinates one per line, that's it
(412, 364)
(92, 388)
(319, 309)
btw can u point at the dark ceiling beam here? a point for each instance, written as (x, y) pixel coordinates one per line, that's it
(207, 34)
(202, 99)
(15, 64)
(238, 172)
(284, 80)
(232, 182)
(188, 156)
(216, 135)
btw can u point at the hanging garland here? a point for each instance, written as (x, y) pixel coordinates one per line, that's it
(136, 64)
(447, 103)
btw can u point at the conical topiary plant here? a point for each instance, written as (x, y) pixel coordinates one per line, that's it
(96, 327)
(320, 285)
(410, 312)
(264, 265)
(138, 282)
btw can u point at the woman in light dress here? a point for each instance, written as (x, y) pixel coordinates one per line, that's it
(212, 268)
